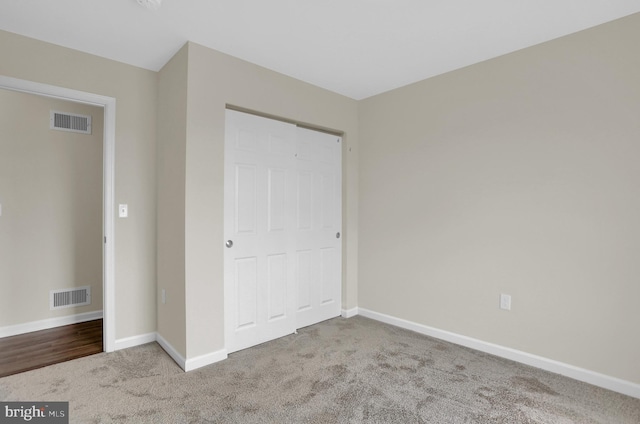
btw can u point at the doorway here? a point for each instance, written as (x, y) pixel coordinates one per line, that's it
(107, 107)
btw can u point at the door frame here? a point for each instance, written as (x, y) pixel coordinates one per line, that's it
(108, 181)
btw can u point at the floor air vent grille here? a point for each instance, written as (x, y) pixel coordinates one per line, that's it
(66, 298)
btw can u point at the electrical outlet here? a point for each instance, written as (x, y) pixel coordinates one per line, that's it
(505, 301)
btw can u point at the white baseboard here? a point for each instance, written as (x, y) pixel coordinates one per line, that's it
(45, 324)
(132, 341)
(186, 364)
(171, 351)
(611, 383)
(348, 313)
(204, 360)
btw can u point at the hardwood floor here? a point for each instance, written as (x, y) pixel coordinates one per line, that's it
(29, 351)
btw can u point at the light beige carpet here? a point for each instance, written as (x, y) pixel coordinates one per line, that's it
(340, 371)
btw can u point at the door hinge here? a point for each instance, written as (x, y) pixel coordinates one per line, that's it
(105, 239)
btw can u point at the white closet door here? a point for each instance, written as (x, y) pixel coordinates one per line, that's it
(259, 264)
(318, 225)
(282, 223)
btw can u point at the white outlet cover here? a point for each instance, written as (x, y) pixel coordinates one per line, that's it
(505, 302)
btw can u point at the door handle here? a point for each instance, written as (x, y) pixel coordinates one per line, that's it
(337, 235)
(229, 243)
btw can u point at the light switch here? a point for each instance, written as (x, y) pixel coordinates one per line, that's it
(123, 211)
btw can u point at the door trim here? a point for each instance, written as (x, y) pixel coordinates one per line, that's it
(108, 252)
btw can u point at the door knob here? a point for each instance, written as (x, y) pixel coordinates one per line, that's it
(229, 243)
(337, 235)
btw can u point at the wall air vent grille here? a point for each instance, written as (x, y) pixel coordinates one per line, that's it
(70, 122)
(67, 298)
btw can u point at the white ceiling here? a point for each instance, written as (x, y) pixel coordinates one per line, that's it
(358, 48)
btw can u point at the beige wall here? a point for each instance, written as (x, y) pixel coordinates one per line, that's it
(135, 92)
(518, 175)
(51, 196)
(172, 136)
(215, 80)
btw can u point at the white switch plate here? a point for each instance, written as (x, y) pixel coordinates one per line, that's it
(123, 211)
(505, 302)
(164, 297)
